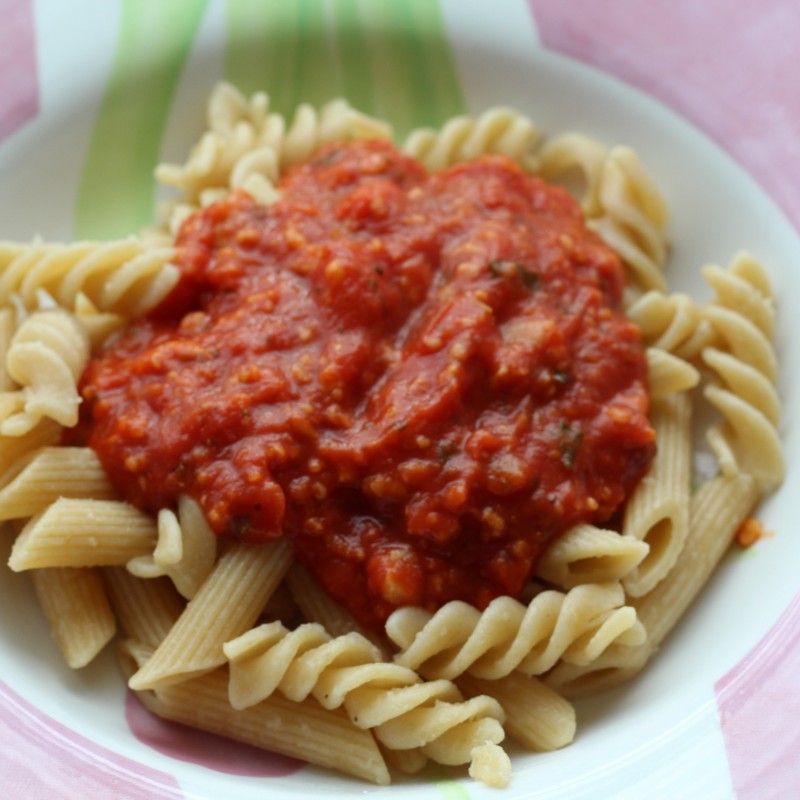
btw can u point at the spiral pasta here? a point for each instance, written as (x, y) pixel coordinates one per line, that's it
(744, 365)
(45, 358)
(673, 323)
(403, 711)
(621, 202)
(248, 146)
(186, 550)
(125, 277)
(499, 131)
(575, 627)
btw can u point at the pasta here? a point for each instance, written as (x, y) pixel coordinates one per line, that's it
(620, 200)
(76, 607)
(500, 130)
(303, 730)
(717, 509)
(114, 276)
(347, 671)
(242, 640)
(576, 627)
(745, 365)
(231, 599)
(45, 357)
(658, 510)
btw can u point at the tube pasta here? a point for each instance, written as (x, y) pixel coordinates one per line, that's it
(46, 357)
(82, 533)
(588, 554)
(507, 635)
(55, 472)
(17, 451)
(499, 131)
(227, 604)
(539, 718)
(302, 730)
(145, 610)
(77, 610)
(346, 671)
(745, 367)
(658, 510)
(317, 606)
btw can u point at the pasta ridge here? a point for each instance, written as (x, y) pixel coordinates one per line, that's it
(508, 635)
(347, 671)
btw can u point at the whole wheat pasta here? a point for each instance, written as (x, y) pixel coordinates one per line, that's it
(302, 730)
(17, 451)
(74, 602)
(538, 717)
(658, 510)
(52, 473)
(227, 604)
(588, 554)
(145, 610)
(83, 533)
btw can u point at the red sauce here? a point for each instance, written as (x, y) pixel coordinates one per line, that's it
(421, 380)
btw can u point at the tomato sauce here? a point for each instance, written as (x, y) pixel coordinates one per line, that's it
(422, 380)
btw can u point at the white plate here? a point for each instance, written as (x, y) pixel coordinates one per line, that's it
(661, 734)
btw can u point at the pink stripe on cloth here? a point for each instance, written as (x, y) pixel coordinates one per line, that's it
(19, 80)
(730, 68)
(759, 710)
(41, 759)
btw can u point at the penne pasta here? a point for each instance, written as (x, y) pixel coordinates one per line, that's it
(227, 604)
(52, 473)
(83, 533)
(657, 512)
(74, 602)
(302, 730)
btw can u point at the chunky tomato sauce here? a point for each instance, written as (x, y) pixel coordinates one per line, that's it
(420, 380)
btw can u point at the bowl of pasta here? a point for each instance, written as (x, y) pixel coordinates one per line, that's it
(391, 406)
